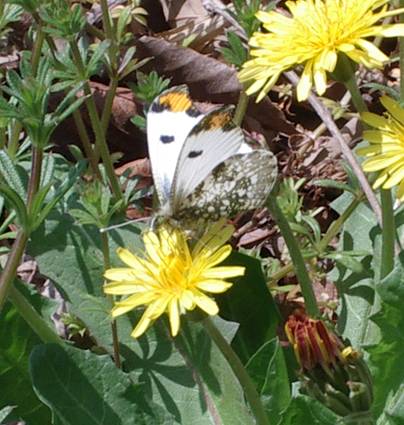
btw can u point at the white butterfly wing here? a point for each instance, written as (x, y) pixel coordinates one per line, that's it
(241, 183)
(214, 139)
(170, 118)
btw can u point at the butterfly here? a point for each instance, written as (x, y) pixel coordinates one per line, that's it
(202, 167)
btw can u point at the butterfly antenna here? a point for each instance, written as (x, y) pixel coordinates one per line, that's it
(117, 226)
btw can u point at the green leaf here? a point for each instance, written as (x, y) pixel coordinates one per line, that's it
(187, 375)
(5, 412)
(267, 368)
(306, 410)
(16, 342)
(69, 180)
(249, 303)
(139, 122)
(386, 355)
(11, 176)
(85, 389)
(95, 61)
(356, 288)
(236, 54)
(334, 185)
(17, 203)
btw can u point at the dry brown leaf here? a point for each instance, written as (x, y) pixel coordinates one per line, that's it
(208, 80)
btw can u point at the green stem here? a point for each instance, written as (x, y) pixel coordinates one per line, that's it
(94, 31)
(357, 98)
(336, 226)
(248, 386)
(35, 176)
(78, 120)
(114, 329)
(332, 231)
(10, 270)
(88, 149)
(36, 55)
(33, 319)
(296, 256)
(13, 144)
(109, 100)
(3, 138)
(97, 127)
(241, 107)
(106, 20)
(13, 260)
(388, 233)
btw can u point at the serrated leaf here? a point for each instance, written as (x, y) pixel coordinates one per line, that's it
(236, 54)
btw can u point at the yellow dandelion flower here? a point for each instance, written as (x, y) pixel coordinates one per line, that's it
(386, 150)
(172, 277)
(313, 36)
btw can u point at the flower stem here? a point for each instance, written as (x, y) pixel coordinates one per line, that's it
(241, 108)
(357, 98)
(248, 386)
(114, 329)
(388, 233)
(296, 256)
(33, 319)
(97, 127)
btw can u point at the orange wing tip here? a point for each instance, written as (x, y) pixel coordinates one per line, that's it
(220, 119)
(176, 101)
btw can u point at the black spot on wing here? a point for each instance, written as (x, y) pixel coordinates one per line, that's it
(167, 139)
(193, 112)
(195, 154)
(158, 107)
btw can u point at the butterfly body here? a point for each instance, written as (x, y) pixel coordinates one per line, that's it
(202, 167)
